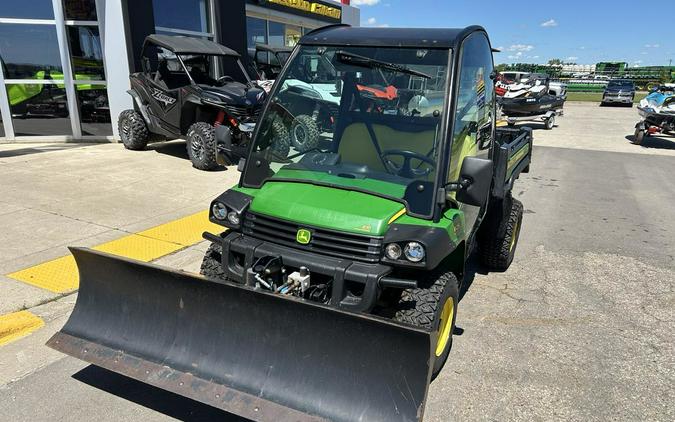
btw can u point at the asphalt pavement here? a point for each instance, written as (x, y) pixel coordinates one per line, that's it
(579, 328)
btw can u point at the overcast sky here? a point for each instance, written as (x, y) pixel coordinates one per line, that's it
(584, 32)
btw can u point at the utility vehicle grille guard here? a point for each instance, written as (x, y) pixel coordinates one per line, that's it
(323, 241)
(355, 285)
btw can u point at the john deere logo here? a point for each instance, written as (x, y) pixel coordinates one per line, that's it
(303, 236)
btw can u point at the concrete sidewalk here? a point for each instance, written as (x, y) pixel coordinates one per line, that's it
(57, 195)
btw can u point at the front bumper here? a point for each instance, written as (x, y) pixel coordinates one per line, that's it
(356, 285)
(623, 99)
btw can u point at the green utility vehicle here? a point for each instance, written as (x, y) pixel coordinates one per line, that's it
(333, 292)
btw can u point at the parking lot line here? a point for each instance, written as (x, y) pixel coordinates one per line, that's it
(18, 324)
(60, 275)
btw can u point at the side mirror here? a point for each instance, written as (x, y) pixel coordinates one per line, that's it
(475, 180)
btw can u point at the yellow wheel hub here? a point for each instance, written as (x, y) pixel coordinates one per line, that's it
(445, 326)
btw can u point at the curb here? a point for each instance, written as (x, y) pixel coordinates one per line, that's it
(18, 324)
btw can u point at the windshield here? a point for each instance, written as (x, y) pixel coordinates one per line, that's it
(365, 119)
(280, 58)
(202, 70)
(620, 84)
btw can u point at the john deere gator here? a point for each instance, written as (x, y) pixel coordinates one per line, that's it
(332, 291)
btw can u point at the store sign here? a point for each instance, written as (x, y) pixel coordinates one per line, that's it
(309, 7)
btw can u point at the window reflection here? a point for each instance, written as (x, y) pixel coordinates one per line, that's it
(30, 51)
(188, 15)
(39, 109)
(85, 48)
(22, 9)
(277, 34)
(94, 110)
(293, 34)
(256, 30)
(81, 10)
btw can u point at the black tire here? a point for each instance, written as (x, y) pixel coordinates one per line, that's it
(133, 130)
(423, 307)
(498, 235)
(281, 139)
(212, 267)
(304, 133)
(639, 136)
(201, 146)
(549, 123)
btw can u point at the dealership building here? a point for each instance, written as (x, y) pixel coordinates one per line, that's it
(66, 63)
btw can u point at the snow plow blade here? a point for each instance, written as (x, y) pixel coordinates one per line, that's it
(261, 356)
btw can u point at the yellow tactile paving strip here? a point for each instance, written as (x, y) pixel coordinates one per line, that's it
(18, 324)
(60, 275)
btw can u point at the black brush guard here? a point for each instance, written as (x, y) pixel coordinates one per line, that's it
(255, 354)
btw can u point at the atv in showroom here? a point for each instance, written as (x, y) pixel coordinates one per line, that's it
(176, 96)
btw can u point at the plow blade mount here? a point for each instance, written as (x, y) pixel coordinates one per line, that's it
(258, 355)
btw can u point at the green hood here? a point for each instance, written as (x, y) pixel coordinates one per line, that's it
(331, 208)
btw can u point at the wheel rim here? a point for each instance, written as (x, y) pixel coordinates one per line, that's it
(126, 128)
(197, 147)
(445, 327)
(514, 236)
(299, 135)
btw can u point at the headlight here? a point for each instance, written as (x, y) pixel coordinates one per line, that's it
(233, 218)
(393, 251)
(414, 252)
(219, 211)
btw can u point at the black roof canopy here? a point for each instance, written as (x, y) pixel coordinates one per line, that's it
(388, 37)
(188, 45)
(272, 48)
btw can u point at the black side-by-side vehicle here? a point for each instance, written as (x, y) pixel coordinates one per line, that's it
(269, 60)
(177, 96)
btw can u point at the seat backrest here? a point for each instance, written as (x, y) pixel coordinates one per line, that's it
(357, 146)
(172, 79)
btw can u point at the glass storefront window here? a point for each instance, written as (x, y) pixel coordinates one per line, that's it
(293, 34)
(39, 109)
(256, 30)
(277, 34)
(189, 15)
(80, 10)
(22, 9)
(30, 51)
(85, 49)
(92, 101)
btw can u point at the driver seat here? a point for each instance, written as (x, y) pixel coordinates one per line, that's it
(356, 145)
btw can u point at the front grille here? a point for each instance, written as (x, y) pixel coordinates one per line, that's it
(323, 241)
(241, 112)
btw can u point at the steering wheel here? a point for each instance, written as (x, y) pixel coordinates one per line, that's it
(225, 79)
(406, 169)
